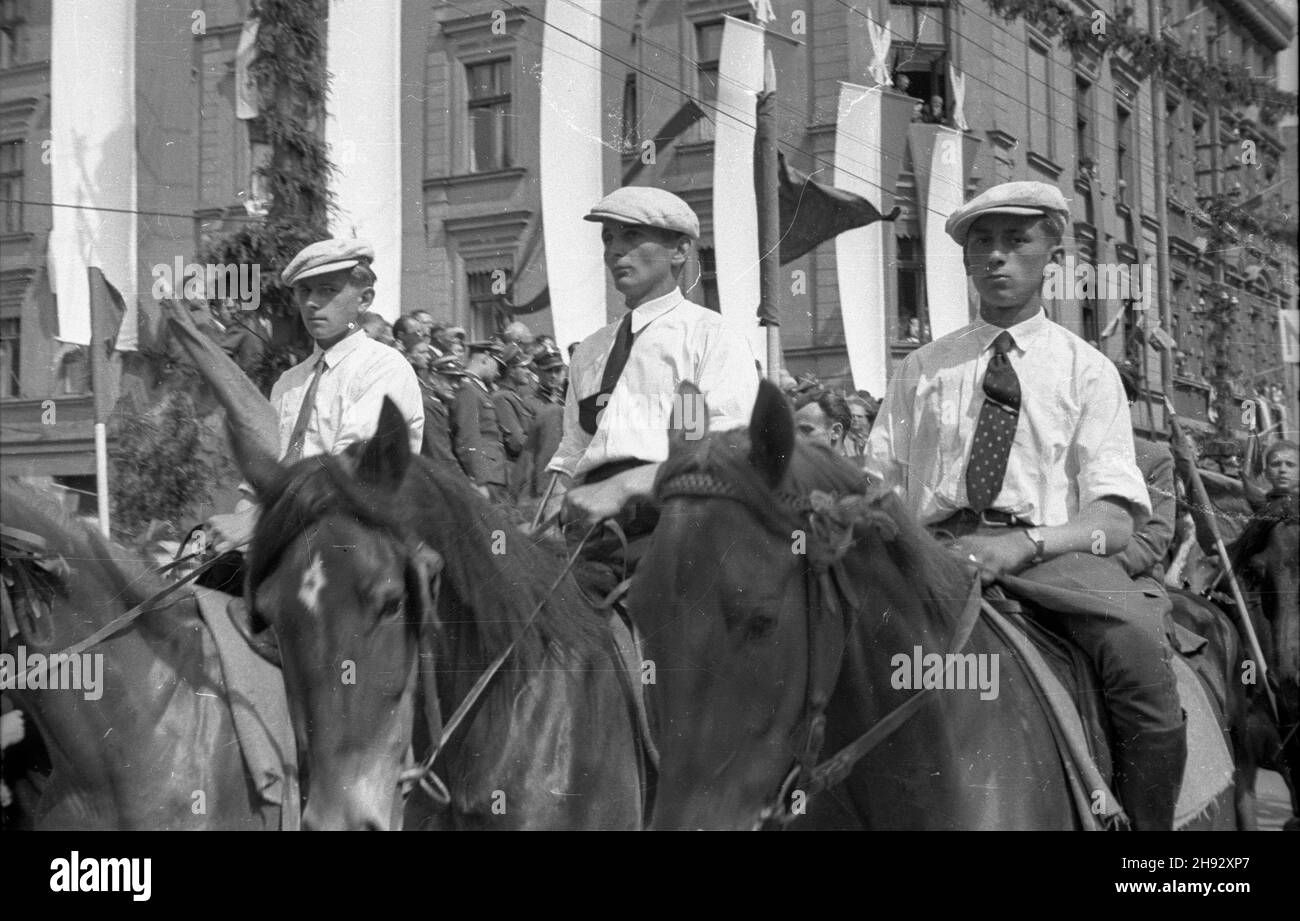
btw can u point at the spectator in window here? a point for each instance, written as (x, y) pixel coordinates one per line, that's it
(933, 113)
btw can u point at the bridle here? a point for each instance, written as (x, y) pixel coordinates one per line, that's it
(828, 591)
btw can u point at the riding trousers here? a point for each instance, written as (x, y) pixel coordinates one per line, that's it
(1117, 621)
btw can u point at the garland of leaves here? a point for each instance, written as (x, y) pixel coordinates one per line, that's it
(1202, 79)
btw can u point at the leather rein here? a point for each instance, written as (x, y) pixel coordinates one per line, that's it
(828, 590)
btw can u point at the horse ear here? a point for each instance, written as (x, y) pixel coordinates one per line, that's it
(387, 455)
(690, 416)
(771, 433)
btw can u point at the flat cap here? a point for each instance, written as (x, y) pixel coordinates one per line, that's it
(1007, 198)
(449, 365)
(327, 256)
(647, 207)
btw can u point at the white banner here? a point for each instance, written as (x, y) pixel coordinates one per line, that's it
(860, 253)
(570, 173)
(363, 129)
(945, 275)
(1288, 327)
(92, 161)
(735, 204)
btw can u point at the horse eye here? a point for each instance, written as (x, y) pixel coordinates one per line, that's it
(392, 608)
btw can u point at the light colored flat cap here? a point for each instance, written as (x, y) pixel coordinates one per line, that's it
(1007, 198)
(327, 256)
(647, 207)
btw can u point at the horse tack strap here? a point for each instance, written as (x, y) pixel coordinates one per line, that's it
(834, 769)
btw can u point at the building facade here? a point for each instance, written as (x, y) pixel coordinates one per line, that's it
(1035, 110)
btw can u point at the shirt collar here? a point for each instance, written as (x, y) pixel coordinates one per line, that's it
(339, 350)
(1025, 333)
(652, 310)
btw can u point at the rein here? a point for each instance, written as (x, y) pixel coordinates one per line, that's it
(423, 774)
(807, 775)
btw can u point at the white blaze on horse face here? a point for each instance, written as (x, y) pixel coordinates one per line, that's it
(313, 580)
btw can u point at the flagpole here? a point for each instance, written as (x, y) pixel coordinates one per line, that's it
(769, 220)
(99, 389)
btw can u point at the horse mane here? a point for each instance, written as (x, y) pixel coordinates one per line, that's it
(497, 591)
(815, 467)
(126, 574)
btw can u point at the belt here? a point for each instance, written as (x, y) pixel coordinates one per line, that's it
(989, 517)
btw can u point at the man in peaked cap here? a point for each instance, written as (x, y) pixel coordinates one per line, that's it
(1012, 437)
(476, 429)
(623, 378)
(438, 387)
(333, 398)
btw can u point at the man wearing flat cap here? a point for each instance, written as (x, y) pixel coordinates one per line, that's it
(333, 398)
(1011, 437)
(475, 428)
(623, 378)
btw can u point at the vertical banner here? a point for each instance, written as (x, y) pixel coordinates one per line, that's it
(735, 204)
(1288, 328)
(92, 161)
(571, 132)
(363, 129)
(941, 156)
(860, 253)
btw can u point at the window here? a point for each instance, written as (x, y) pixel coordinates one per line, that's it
(10, 339)
(1123, 155)
(487, 313)
(11, 187)
(630, 129)
(913, 311)
(709, 279)
(1204, 158)
(489, 111)
(1039, 99)
(74, 371)
(1084, 146)
(913, 23)
(1090, 328)
(13, 44)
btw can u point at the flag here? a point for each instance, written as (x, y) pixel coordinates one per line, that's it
(1288, 327)
(248, 101)
(812, 213)
(106, 312)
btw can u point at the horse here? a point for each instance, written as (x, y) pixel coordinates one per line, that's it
(1267, 554)
(388, 585)
(151, 743)
(778, 597)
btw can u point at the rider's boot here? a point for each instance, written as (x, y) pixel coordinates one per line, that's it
(1149, 775)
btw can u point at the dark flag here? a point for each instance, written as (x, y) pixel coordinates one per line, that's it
(812, 213)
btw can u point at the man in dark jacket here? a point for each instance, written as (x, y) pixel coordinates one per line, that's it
(438, 382)
(476, 431)
(516, 408)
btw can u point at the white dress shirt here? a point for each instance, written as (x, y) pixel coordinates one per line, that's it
(675, 340)
(1074, 437)
(359, 373)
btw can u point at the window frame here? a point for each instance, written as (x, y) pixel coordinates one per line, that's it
(503, 134)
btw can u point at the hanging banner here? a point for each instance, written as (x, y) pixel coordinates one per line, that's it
(735, 204)
(942, 157)
(363, 129)
(92, 161)
(862, 166)
(572, 126)
(1288, 327)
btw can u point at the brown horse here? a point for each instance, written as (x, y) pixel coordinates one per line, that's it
(1268, 553)
(157, 748)
(361, 562)
(775, 603)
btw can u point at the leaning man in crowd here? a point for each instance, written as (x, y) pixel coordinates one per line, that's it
(1013, 438)
(333, 398)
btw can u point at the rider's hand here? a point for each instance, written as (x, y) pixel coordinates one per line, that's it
(591, 504)
(995, 555)
(228, 531)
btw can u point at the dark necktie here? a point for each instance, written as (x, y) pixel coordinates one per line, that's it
(294, 454)
(996, 429)
(589, 408)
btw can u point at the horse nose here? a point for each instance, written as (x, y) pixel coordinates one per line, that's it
(350, 817)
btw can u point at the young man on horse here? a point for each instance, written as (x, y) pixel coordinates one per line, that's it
(621, 374)
(1012, 435)
(332, 399)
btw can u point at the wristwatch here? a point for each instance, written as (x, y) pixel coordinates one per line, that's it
(1040, 547)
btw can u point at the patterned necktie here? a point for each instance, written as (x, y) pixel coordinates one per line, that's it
(294, 454)
(996, 429)
(589, 408)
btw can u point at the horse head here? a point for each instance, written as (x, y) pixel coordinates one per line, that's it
(331, 572)
(728, 601)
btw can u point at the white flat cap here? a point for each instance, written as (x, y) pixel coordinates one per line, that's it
(327, 256)
(647, 207)
(1007, 198)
